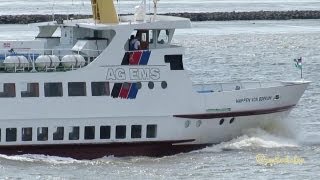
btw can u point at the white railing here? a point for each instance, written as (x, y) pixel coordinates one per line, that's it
(233, 86)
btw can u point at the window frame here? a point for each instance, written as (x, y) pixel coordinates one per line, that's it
(119, 133)
(151, 134)
(95, 91)
(47, 91)
(83, 91)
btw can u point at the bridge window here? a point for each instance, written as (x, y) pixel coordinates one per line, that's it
(100, 89)
(9, 90)
(53, 89)
(175, 61)
(74, 134)
(136, 131)
(89, 132)
(77, 89)
(121, 132)
(11, 134)
(58, 134)
(151, 131)
(163, 37)
(105, 132)
(32, 90)
(27, 134)
(42, 133)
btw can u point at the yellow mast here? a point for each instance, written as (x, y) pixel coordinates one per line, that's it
(104, 11)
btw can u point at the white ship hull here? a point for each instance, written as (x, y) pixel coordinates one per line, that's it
(175, 132)
(88, 94)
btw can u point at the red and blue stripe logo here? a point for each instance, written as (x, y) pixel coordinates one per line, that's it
(130, 90)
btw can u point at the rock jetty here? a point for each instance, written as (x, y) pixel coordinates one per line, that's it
(206, 16)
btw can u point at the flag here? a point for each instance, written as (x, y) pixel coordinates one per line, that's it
(298, 63)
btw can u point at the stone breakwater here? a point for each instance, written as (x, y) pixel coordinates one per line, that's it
(206, 16)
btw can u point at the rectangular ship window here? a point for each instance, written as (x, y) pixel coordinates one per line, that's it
(42, 134)
(11, 134)
(26, 134)
(74, 134)
(121, 132)
(77, 89)
(105, 132)
(175, 61)
(9, 90)
(58, 134)
(89, 132)
(32, 90)
(100, 88)
(136, 131)
(53, 90)
(151, 131)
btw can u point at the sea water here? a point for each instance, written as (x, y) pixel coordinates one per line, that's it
(217, 51)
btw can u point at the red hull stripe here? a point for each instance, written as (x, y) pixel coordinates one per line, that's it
(124, 90)
(94, 151)
(135, 58)
(235, 114)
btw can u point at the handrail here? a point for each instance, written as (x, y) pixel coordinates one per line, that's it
(229, 86)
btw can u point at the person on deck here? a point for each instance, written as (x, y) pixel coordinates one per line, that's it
(136, 44)
(131, 43)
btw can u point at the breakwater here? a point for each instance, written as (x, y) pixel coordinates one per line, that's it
(205, 16)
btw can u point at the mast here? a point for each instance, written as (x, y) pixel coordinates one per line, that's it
(155, 2)
(104, 12)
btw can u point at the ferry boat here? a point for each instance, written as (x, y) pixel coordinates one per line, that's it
(78, 90)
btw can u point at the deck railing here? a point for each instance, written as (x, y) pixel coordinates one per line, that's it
(220, 87)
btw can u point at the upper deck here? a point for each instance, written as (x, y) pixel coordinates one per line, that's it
(72, 44)
(162, 22)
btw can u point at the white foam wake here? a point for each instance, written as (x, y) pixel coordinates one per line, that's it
(253, 139)
(40, 158)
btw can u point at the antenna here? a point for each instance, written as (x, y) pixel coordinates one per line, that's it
(53, 10)
(155, 2)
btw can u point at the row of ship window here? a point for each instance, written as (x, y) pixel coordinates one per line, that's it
(55, 89)
(74, 134)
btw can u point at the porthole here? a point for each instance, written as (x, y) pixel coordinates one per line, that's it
(221, 121)
(139, 85)
(199, 122)
(231, 120)
(187, 124)
(151, 85)
(164, 84)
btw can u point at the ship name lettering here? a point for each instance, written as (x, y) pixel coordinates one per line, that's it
(133, 74)
(254, 99)
(118, 74)
(144, 74)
